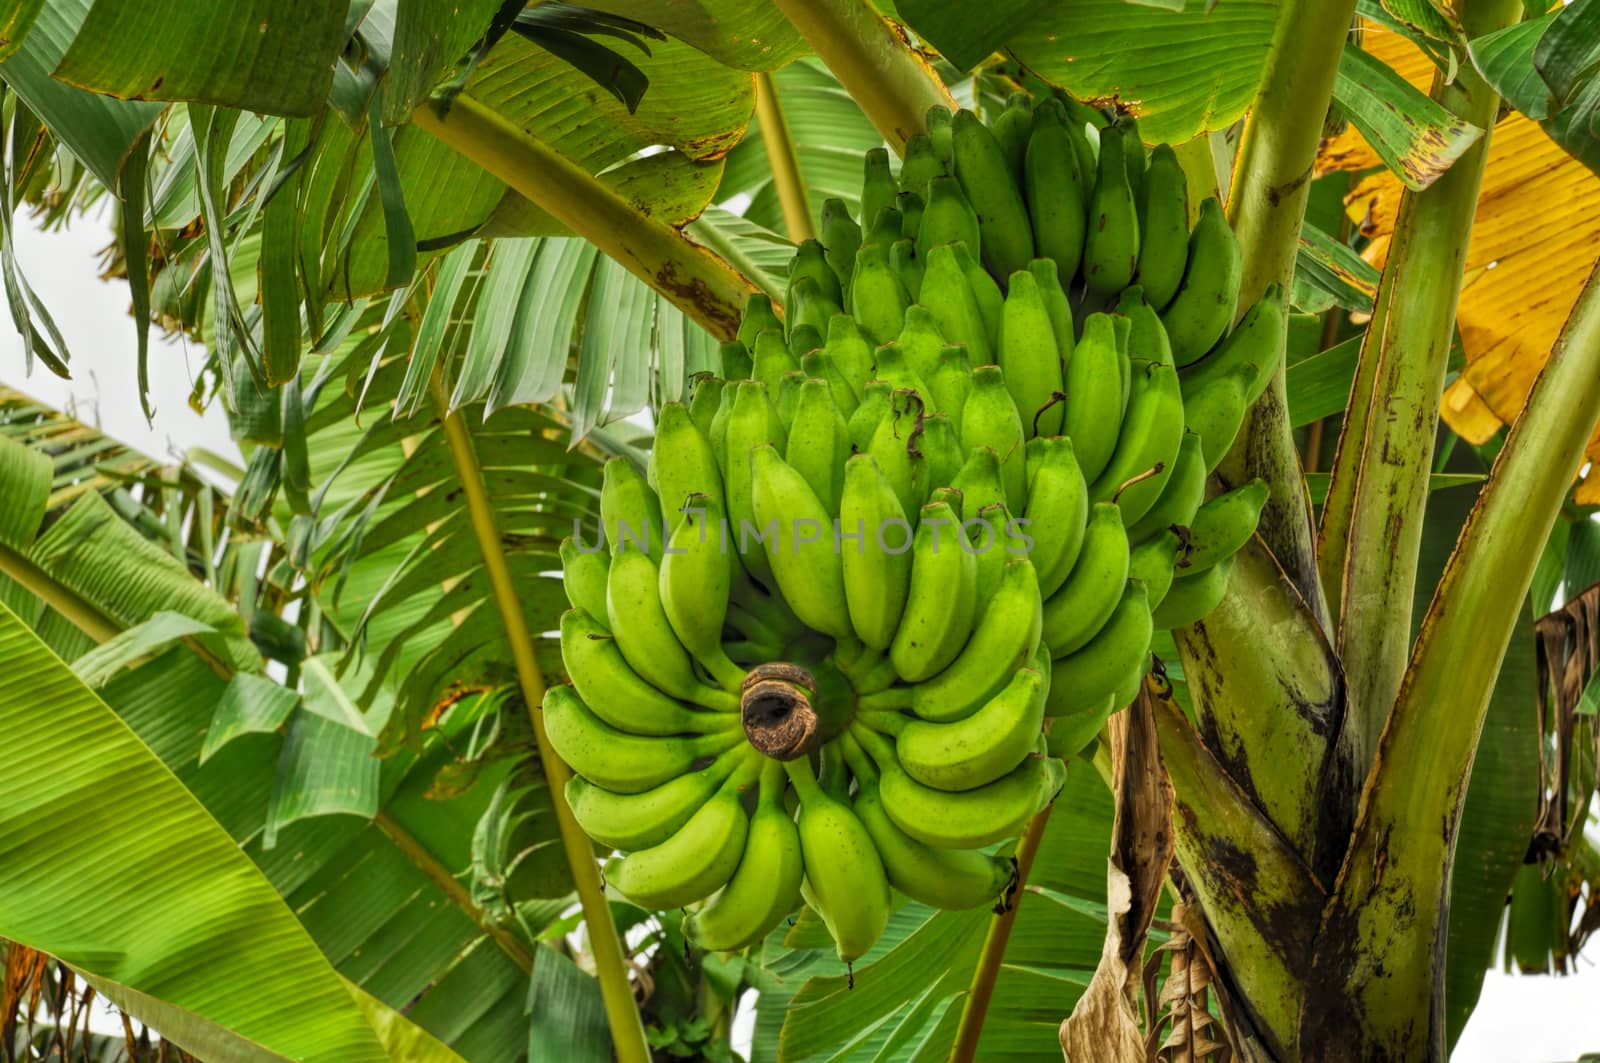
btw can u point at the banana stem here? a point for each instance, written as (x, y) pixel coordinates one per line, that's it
(1378, 956)
(1371, 533)
(1266, 206)
(875, 63)
(701, 284)
(611, 966)
(778, 141)
(976, 1007)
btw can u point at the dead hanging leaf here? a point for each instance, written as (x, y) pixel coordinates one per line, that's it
(1104, 1025)
(1568, 657)
(1182, 1005)
(1534, 242)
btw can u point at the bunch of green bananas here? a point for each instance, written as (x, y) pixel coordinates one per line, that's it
(908, 552)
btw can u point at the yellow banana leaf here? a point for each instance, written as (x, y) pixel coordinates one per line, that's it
(1533, 244)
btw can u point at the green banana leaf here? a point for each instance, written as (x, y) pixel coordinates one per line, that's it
(115, 868)
(253, 55)
(1190, 71)
(380, 898)
(744, 34)
(828, 134)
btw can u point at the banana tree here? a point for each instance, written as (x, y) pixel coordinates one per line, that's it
(439, 255)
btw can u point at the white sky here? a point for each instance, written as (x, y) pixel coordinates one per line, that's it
(1521, 1019)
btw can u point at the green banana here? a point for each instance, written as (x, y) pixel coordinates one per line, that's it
(1223, 525)
(990, 299)
(615, 693)
(952, 879)
(941, 600)
(719, 426)
(773, 359)
(951, 383)
(789, 396)
(874, 404)
(1074, 732)
(801, 552)
(1030, 358)
(621, 762)
(1153, 563)
(638, 621)
(1179, 500)
(753, 421)
(893, 445)
(972, 818)
(1055, 190)
(941, 136)
(1011, 128)
(894, 366)
(1057, 512)
(1002, 642)
(1209, 295)
(845, 880)
(811, 260)
(809, 305)
(696, 580)
(629, 510)
(583, 577)
(1134, 156)
(987, 178)
(1056, 304)
(1193, 597)
(878, 300)
(946, 292)
(819, 442)
(1102, 666)
(979, 481)
(920, 166)
(1216, 411)
(841, 239)
(819, 365)
(921, 341)
(1094, 395)
(851, 353)
(877, 570)
(734, 358)
(885, 229)
(1111, 249)
(878, 186)
(1092, 590)
(682, 462)
(804, 339)
(990, 419)
(1152, 432)
(991, 540)
(640, 820)
(941, 455)
(707, 398)
(911, 206)
(1164, 227)
(1080, 116)
(1147, 340)
(1257, 341)
(766, 886)
(696, 860)
(758, 317)
(975, 751)
(907, 266)
(947, 218)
